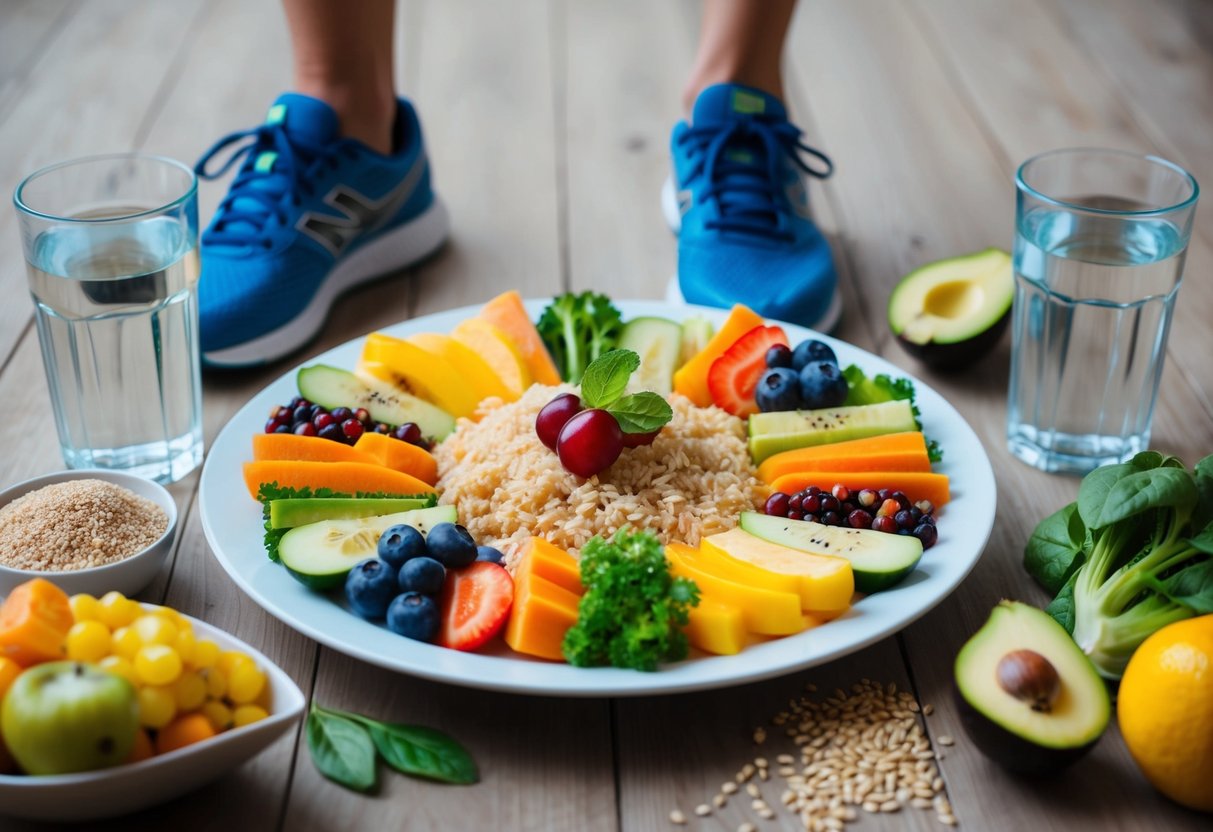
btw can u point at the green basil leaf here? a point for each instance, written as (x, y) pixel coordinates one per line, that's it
(641, 412)
(341, 749)
(1054, 551)
(423, 752)
(607, 377)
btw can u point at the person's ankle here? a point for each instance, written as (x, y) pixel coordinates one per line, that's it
(365, 115)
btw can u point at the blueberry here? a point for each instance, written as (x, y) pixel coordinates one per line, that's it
(778, 389)
(779, 356)
(807, 352)
(424, 575)
(488, 553)
(822, 385)
(401, 543)
(413, 615)
(370, 587)
(451, 545)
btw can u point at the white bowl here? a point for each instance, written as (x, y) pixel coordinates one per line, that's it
(129, 788)
(128, 576)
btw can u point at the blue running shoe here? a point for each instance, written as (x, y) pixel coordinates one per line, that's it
(309, 215)
(738, 202)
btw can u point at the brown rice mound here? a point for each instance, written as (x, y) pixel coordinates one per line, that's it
(692, 481)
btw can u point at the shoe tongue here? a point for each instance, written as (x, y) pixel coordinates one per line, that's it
(722, 103)
(306, 118)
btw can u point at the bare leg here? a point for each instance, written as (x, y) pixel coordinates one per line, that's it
(343, 56)
(740, 42)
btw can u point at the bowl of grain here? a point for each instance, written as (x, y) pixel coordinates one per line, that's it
(85, 531)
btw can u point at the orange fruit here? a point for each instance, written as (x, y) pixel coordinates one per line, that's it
(1165, 709)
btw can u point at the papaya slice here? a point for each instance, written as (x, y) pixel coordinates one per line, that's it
(891, 452)
(399, 456)
(290, 446)
(541, 615)
(342, 477)
(507, 313)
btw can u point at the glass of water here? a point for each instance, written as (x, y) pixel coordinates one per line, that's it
(111, 248)
(1100, 238)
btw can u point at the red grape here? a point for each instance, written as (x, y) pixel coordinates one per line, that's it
(885, 523)
(323, 420)
(589, 442)
(352, 429)
(554, 415)
(305, 429)
(777, 505)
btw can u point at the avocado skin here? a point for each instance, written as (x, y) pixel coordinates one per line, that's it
(1011, 751)
(960, 354)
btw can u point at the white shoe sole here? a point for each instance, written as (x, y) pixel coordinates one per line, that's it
(673, 293)
(395, 250)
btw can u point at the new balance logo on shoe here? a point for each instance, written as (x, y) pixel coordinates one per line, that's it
(359, 213)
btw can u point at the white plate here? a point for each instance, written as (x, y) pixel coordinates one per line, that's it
(232, 523)
(92, 795)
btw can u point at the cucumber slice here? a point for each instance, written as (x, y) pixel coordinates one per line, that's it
(321, 554)
(658, 342)
(696, 333)
(878, 560)
(771, 433)
(333, 387)
(289, 513)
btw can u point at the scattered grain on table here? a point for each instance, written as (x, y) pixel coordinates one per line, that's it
(76, 525)
(863, 749)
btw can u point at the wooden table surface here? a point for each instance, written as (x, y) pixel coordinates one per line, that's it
(548, 125)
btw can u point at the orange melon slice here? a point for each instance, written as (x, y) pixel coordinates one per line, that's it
(691, 379)
(498, 351)
(399, 456)
(507, 313)
(342, 477)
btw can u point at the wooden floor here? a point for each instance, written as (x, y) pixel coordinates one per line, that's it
(548, 125)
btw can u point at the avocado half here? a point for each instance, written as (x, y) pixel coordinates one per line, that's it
(950, 313)
(1029, 698)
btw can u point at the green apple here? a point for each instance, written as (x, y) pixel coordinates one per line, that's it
(63, 717)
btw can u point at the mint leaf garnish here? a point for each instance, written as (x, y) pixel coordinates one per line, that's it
(607, 377)
(641, 412)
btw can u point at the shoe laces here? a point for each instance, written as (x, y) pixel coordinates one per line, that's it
(743, 162)
(260, 197)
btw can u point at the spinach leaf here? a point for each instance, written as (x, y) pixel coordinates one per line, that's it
(423, 752)
(1202, 515)
(1055, 549)
(341, 749)
(1062, 607)
(1096, 486)
(1141, 491)
(1203, 542)
(1192, 587)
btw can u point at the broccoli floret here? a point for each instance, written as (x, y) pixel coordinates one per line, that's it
(577, 328)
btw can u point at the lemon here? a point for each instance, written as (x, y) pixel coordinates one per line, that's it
(1165, 711)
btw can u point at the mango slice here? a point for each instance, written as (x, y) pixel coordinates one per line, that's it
(823, 584)
(763, 611)
(417, 371)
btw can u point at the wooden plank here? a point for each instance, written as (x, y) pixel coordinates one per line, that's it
(89, 95)
(913, 153)
(622, 100)
(488, 110)
(27, 28)
(485, 99)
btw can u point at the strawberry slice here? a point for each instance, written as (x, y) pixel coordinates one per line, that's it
(733, 376)
(475, 605)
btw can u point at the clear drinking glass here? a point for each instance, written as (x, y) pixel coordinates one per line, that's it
(111, 248)
(1100, 239)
